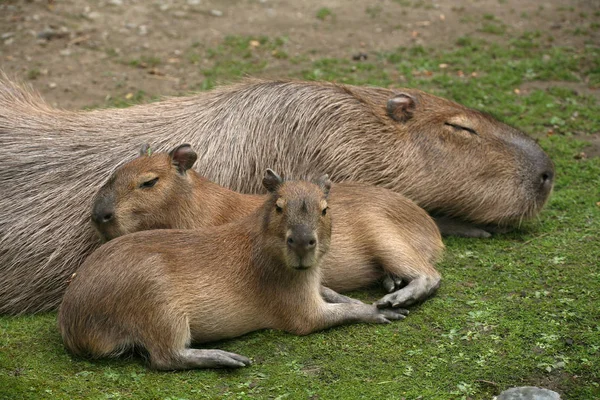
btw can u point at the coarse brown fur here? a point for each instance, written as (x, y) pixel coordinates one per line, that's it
(378, 234)
(161, 290)
(449, 159)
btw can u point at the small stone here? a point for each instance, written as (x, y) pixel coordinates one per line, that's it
(7, 35)
(378, 30)
(142, 30)
(443, 66)
(65, 52)
(35, 17)
(360, 56)
(528, 393)
(115, 2)
(52, 85)
(517, 91)
(254, 43)
(93, 15)
(216, 13)
(442, 17)
(8, 42)
(193, 2)
(163, 7)
(130, 25)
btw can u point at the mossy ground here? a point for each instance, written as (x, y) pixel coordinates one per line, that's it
(517, 309)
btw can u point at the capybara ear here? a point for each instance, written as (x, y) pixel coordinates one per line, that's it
(271, 180)
(401, 107)
(324, 183)
(183, 157)
(145, 150)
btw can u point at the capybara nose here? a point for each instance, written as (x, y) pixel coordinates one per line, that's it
(545, 177)
(102, 216)
(302, 240)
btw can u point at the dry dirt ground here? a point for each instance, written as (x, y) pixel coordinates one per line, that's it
(80, 52)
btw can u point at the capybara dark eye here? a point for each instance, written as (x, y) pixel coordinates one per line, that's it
(278, 209)
(150, 183)
(324, 212)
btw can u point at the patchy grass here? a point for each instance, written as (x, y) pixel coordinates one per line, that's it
(324, 13)
(517, 309)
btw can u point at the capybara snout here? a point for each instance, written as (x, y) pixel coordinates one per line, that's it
(308, 224)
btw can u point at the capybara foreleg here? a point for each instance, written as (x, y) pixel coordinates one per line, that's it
(351, 313)
(331, 296)
(417, 290)
(454, 227)
(196, 358)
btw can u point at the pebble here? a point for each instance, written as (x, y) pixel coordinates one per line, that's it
(115, 2)
(193, 2)
(93, 15)
(7, 35)
(9, 41)
(65, 52)
(143, 30)
(216, 13)
(528, 393)
(52, 85)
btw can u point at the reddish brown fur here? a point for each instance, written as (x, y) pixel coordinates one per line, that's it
(406, 140)
(163, 289)
(377, 232)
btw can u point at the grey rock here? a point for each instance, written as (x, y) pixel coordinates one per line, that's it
(528, 393)
(216, 13)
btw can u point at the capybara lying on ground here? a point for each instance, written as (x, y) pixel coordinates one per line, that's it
(455, 162)
(161, 290)
(378, 234)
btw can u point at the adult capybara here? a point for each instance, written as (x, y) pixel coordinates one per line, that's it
(161, 290)
(449, 159)
(378, 234)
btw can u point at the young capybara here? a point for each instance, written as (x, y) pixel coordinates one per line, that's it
(449, 159)
(162, 290)
(378, 235)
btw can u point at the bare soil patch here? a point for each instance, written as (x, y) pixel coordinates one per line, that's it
(79, 52)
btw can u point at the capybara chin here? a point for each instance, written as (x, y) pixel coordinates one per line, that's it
(378, 236)
(449, 159)
(162, 290)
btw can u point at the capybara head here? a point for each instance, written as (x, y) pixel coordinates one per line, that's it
(139, 194)
(487, 171)
(297, 224)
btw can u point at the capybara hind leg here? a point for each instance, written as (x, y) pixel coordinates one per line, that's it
(392, 282)
(417, 290)
(196, 358)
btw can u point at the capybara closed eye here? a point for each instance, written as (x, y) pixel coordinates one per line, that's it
(456, 162)
(164, 289)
